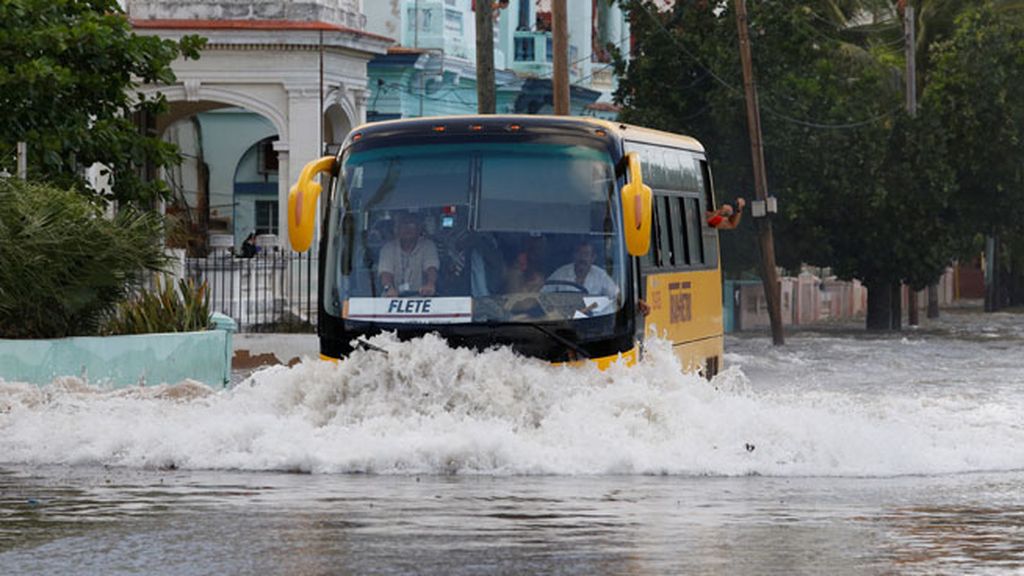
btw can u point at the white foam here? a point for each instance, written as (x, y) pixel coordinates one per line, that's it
(426, 408)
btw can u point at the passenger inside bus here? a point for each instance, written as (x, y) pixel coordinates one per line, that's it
(408, 264)
(524, 272)
(582, 276)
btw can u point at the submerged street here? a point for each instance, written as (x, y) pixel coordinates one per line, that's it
(843, 452)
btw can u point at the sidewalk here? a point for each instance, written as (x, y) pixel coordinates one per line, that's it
(254, 351)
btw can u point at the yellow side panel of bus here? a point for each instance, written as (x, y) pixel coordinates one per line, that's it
(686, 308)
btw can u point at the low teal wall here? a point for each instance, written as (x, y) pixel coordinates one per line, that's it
(143, 359)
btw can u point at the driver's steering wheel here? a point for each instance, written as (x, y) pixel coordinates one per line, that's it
(579, 287)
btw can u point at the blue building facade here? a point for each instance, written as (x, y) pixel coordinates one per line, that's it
(432, 69)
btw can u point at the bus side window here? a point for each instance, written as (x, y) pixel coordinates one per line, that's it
(710, 235)
(706, 185)
(652, 259)
(694, 235)
(668, 251)
(681, 225)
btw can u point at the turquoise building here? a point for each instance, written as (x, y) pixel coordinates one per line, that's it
(431, 71)
(243, 141)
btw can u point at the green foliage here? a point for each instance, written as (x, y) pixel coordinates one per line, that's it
(63, 265)
(976, 90)
(862, 189)
(164, 309)
(67, 73)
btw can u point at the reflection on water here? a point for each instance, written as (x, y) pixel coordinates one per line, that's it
(119, 521)
(965, 537)
(839, 453)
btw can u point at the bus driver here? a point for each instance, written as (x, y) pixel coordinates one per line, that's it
(582, 272)
(409, 262)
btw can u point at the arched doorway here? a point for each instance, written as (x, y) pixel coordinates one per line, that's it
(229, 157)
(255, 191)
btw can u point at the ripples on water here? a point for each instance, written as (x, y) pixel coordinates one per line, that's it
(832, 453)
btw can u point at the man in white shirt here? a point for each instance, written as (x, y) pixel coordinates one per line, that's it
(583, 273)
(409, 262)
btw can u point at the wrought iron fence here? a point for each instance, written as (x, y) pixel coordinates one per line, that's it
(273, 291)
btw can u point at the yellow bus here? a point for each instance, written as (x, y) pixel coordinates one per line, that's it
(535, 232)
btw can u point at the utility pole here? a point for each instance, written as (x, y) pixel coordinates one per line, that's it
(485, 100)
(909, 44)
(22, 153)
(769, 275)
(560, 59)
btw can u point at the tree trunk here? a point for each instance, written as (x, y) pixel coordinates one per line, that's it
(879, 307)
(933, 301)
(991, 274)
(896, 320)
(913, 318)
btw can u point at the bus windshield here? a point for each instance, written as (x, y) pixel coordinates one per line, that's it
(475, 233)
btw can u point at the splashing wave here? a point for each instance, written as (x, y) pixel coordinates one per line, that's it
(425, 408)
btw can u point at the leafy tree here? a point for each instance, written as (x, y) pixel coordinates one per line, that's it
(67, 70)
(65, 266)
(840, 156)
(976, 91)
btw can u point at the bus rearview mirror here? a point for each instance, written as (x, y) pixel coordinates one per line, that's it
(302, 203)
(636, 209)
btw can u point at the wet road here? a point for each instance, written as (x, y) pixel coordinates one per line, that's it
(841, 453)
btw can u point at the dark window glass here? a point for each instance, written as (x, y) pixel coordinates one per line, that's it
(266, 156)
(694, 236)
(679, 254)
(685, 233)
(707, 200)
(665, 232)
(524, 49)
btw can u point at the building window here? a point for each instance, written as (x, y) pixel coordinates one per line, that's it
(266, 217)
(425, 19)
(453, 21)
(266, 156)
(524, 49)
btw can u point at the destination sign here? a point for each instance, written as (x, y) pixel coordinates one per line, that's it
(411, 310)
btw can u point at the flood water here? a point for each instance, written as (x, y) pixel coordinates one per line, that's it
(840, 453)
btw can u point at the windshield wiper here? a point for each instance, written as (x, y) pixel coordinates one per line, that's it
(362, 344)
(560, 339)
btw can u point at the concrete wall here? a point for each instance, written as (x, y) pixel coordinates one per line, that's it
(117, 361)
(807, 299)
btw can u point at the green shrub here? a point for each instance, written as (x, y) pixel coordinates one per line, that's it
(63, 265)
(164, 309)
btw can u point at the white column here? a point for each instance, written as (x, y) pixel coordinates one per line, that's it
(624, 32)
(284, 184)
(360, 96)
(613, 20)
(580, 22)
(304, 145)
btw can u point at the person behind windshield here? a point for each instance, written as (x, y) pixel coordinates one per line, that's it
(408, 263)
(582, 272)
(523, 274)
